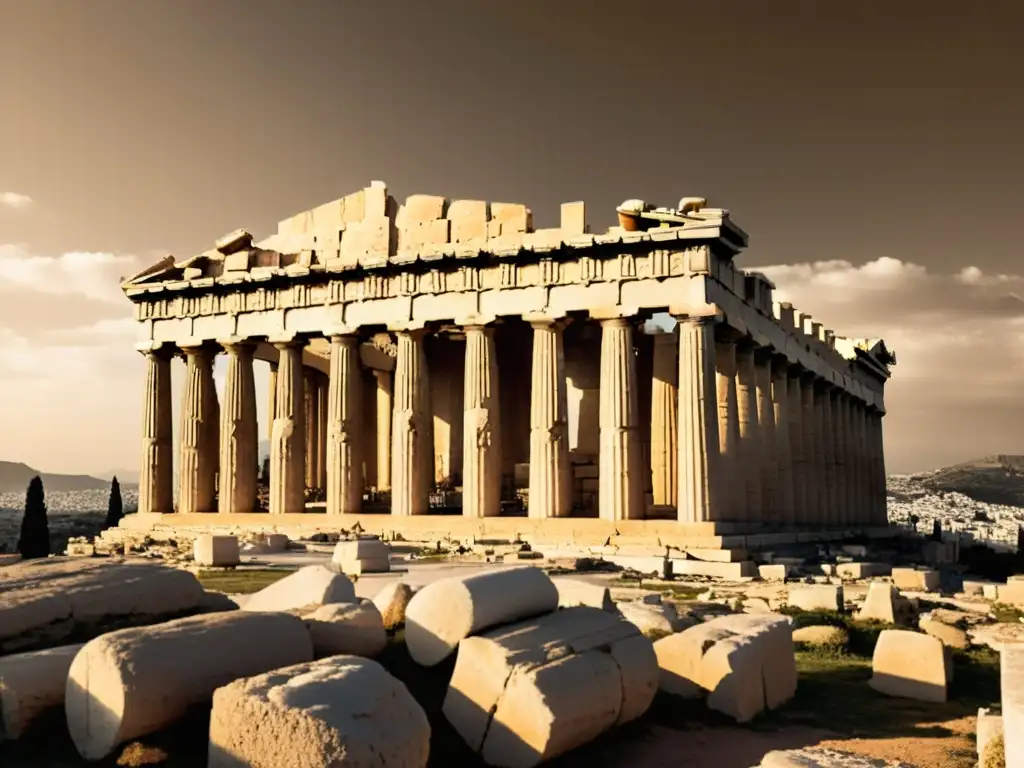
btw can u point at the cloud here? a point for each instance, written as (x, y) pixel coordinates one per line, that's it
(15, 201)
(959, 343)
(91, 275)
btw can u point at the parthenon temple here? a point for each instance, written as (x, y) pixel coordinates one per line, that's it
(447, 358)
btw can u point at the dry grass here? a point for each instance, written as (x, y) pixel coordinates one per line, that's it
(241, 581)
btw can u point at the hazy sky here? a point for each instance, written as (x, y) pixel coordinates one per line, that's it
(872, 150)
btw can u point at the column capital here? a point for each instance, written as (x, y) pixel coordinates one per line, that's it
(617, 313)
(237, 344)
(197, 349)
(474, 321)
(155, 349)
(287, 340)
(543, 319)
(338, 329)
(615, 322)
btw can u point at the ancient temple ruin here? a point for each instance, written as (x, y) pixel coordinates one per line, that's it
(447, 356)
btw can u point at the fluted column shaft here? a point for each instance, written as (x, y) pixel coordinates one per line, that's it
(197, 480)
(749, 440)
(828, 450)
(839, 449)
(699, 478)
(272, 405)
(411, 434)
(734, 488)
(797, 449)
(156, 478)
(766, 460)
(859, 475)
(783, 443)
(881, 516)
(288, 443)
(239, 434)
(384, 417)
(850, 454)
(344, 428)
(322, 411)
(309, 409)
(213, 419)
(481, 434)
(664, 411)
(550, 478)
(621, 487)
(811, 451)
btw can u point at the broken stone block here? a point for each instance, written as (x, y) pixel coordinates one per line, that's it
(824, 597)
(885, 603)
(468, 220)
(133, 682)
(989, 736)
(392, 602)
(368, 240)
(211, 550)
(773, 572)
(574, 219)
(31, 684)
(362, 556)
(442, 614)
(576, 592)
(744, 663)
(1011, 677)
(422, 209)
(950, 636)
(862, 570)
(911, 665)
(340, 711)
(1011, 593)
(916, 580)
(309, 586)
(654, 619)
(820, 757)
(346, 628)
(526, 693)
(513, 217)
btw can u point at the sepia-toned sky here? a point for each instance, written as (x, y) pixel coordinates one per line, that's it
(872, 150)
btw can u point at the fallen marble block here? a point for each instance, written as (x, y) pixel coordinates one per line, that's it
(392, 602)
(310, 586)
(911, 665)
(355, 629)
(30, 684)
(447, 611)
(525, 693)
(342, 711)
(362, 556)
(818, 757)
(133, 682)
(821, 597)
(217, 551)
(576, 592)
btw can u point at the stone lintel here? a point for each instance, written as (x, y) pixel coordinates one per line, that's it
(408, 327)
(707, 311)
(475, 320)
(237, 341)
(287, 339)
(193, 345)
(339, 329)
(613, 313)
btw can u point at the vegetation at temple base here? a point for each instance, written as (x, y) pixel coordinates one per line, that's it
(115, 508)
(35, 527)
(241, 581)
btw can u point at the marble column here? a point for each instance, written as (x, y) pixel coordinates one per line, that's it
(411, 437)
(828, 450)
(197, 479)
(481, 434)
(213, 419)
(156, 478)
(344, 428)
(550, 478)
(839, 448)
(239, 433)
(699, 478)
(876, 450)
(811, 451)
(749, 445)
(797, 449)
(734, 489)
(621, 486)
(850, 454)
(322, 411)
(272, 394)
(309, 410)
(857, 451)
(288, 444)
(384, 416)
(766, 460)
(664, 411)
(783, 443)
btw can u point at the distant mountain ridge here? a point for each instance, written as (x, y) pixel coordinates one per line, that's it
(15, 477)
(996, 479)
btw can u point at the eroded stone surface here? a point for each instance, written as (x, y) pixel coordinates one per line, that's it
(392, 602)
(885, 603)
(30, 684)
(212, 550)
(576, 592)
(309, 586)
(911, 665)
(821, 635)
(362, 556)
(820, 597)
(356, 629)
(818, 757)
(342, 712)
(654, 620)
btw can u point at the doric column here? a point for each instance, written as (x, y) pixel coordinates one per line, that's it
(322, 411)
(156, 478)
(272, 394)
(344, 428)
(839, 448)
(878, 452)
(621, 486)
(309, 410)
(664, 409)
(239, 433)
(824, 404)
(481, 434)
(734, 488)
(288, 444)
(797, 450)
(550, 478)
(850, 458)
(196, 483)
(700, 482)
(766, 458)
(783, 443)
(213, 419)
(749, 453)
(411, 437)
(384, 416)
(857, 452)
(811, 451)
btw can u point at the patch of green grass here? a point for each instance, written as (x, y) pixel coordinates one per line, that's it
(863, 634)
(1007, 613)
(241, 581)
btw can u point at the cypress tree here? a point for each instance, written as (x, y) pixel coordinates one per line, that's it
(115, 508)
(35, 528)
(937, 530)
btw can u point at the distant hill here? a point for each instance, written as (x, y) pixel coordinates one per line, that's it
(990, 479)
(124, 476)
(15, 477)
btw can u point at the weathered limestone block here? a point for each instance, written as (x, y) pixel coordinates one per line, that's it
(1011, 684)
(654, 619)
(362, 556)
(821, 636)
(773, 572)
(1011, 593)
(312, 585)
(30, 684)
(420, 209)
(988, 736)
(576, 592)
(468, 220)
(916, 580)
(885, 603)
(525, 693)
(346, 628)
(266, 544)
(341, 712)
(443, 613)
(911, 665)
(392, 602)
(950, 636)
(862, 570)
(208, 549)
(744, 662)
(133, 682)
(820, 597)
(819, 757)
